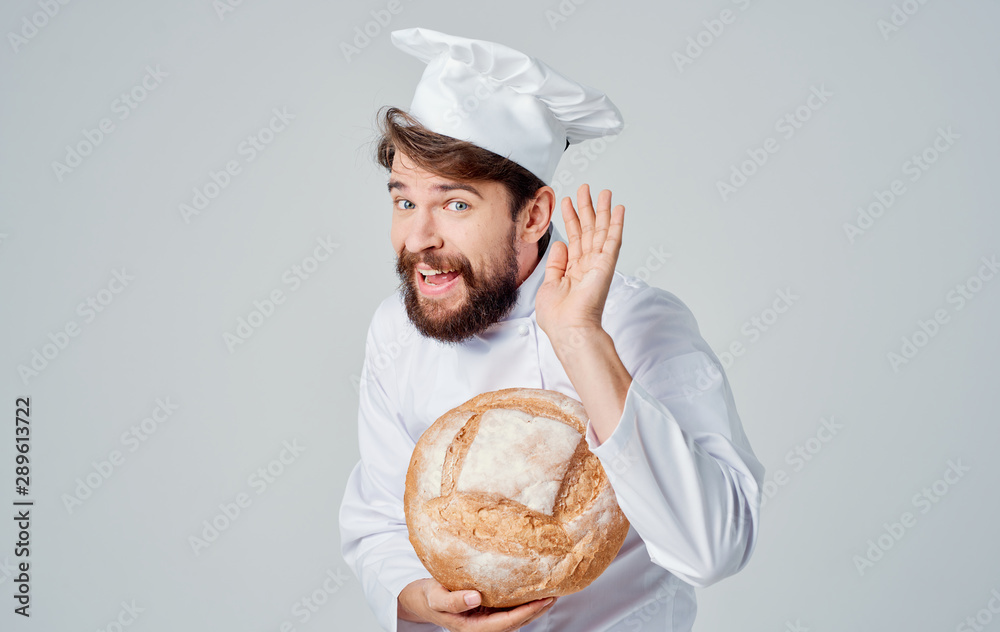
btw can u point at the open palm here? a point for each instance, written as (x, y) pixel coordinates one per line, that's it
(578, 277)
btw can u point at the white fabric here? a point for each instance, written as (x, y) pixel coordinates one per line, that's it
(679, 462)
(503, 100)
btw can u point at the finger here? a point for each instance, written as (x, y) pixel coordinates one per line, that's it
(508, 620)
(613, 240)
(541, 611)
(555, 268)
(586, 207)
(572, 228)
(441, 599)
(603, 219)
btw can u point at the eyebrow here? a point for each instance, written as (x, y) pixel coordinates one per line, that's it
(447, 186)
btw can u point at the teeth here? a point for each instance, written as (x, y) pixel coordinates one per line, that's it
(427, 273)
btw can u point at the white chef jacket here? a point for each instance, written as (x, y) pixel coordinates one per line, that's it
(681, 467)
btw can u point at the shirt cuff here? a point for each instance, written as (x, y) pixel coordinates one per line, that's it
(384, 595)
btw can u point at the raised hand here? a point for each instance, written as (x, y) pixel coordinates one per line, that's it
(578, 278)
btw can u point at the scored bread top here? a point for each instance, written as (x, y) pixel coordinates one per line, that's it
(503, 495)
(519, 457)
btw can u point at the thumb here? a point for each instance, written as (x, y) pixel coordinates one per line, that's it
(555, 268)
(441, 600)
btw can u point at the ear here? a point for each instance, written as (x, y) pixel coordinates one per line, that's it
(534, 220)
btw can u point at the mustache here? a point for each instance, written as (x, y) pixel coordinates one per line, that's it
(406, 263)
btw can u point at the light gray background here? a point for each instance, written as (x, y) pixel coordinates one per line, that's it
(294, 379)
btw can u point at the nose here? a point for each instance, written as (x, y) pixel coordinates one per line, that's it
(422, 232)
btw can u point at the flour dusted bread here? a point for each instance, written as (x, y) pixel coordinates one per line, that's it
(503, 496)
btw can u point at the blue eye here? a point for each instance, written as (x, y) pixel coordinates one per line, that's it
(404, 203)
(464, 206)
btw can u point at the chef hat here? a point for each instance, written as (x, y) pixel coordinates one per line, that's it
(503, 100)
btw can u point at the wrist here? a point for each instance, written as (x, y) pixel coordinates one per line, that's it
(402, 611)
(575, 342)
(594, 368)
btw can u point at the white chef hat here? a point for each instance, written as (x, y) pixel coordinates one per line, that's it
(503, 100)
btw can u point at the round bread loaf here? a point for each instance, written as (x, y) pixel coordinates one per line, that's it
(503, 496)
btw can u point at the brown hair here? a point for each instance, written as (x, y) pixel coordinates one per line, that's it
(452, 158)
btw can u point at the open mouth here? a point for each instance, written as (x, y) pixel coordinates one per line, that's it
(435, 282)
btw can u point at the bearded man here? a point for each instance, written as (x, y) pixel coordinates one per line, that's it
(491, 296)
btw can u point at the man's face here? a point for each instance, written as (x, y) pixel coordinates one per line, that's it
(440, 224)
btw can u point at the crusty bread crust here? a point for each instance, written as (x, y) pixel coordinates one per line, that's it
(485, 541)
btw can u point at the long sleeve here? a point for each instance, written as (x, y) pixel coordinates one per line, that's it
(374, 537)
(681, 467)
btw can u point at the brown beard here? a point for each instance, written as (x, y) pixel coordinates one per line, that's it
(491, 295)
